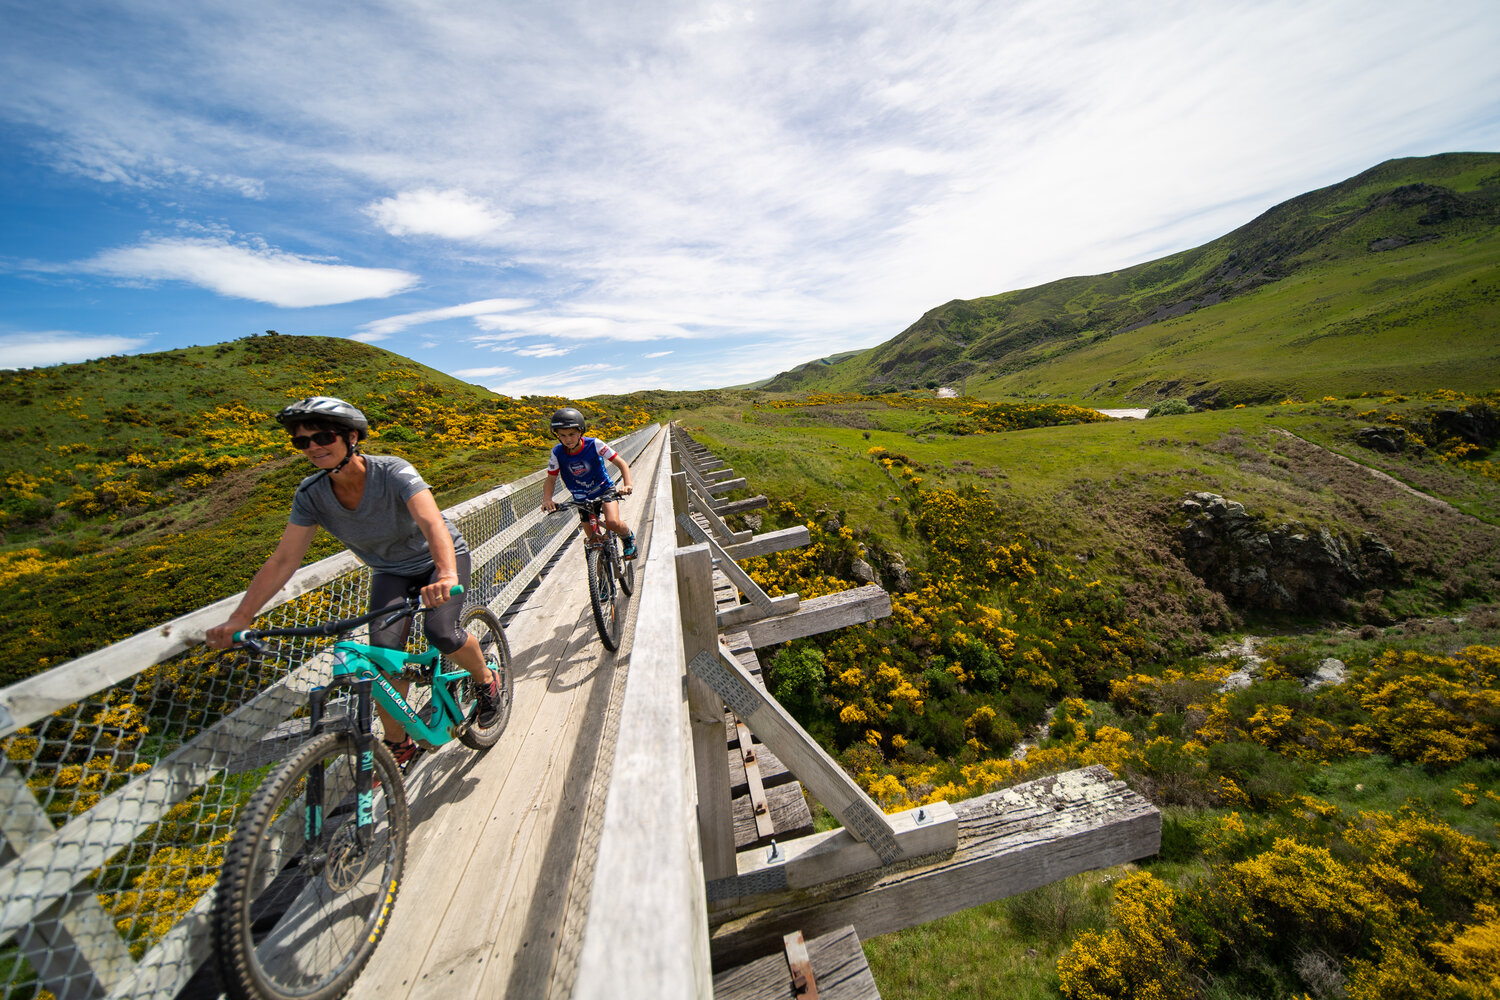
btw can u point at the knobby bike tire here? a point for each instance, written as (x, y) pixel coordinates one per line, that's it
(289, 923)
(602, 597)
(627, 570)
(483, 625)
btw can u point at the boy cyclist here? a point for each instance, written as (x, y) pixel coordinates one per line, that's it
(579, 460)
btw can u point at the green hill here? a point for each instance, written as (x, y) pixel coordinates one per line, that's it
(138, 488)
(1387, 281)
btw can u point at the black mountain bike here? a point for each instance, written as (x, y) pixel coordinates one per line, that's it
(312, 870)
(611, 577)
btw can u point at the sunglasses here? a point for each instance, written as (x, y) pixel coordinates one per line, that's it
(325, 438)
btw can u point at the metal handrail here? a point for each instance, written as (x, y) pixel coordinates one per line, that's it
(49, 911)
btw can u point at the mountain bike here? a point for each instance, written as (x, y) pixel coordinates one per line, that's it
(313, 867)
(610, 575)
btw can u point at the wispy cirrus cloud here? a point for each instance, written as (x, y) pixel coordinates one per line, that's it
(379, 329)
(56, 347)
(258, 273)
(806, 179)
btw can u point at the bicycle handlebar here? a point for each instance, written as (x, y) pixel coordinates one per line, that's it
(401, 609)
(574, 504)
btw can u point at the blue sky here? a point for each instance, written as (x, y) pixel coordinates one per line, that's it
(578, 198)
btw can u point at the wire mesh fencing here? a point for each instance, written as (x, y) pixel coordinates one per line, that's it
(124, 771)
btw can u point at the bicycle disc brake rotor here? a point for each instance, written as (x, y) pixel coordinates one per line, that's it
(347, 860)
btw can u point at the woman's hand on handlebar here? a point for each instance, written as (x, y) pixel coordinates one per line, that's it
(440, 590)
(222, 636)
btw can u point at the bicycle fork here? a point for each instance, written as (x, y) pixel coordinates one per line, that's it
(364, 772)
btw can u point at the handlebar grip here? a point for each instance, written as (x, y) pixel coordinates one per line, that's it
(457, 590)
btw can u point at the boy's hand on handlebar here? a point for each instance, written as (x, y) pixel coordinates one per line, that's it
(625, 489)
(548, 505)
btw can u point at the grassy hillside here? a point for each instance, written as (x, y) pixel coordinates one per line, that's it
(1318, 841)
(139, 488)
(1389, 280)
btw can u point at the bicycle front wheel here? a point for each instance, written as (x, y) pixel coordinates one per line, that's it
(297, 917)
(605, 598)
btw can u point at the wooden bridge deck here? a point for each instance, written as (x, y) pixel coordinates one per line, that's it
(500, 859)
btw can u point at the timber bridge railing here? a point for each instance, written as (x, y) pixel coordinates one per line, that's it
(124, 770)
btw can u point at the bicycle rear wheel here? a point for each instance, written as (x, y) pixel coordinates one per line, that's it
(298, 920)
(604, 596)
(484, 626)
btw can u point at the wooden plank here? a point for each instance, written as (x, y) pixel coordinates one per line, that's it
(705, 711)
(646, 932)
(740, 506)
(772, 771)
(789, 814)
(799, 964)
(772, 541)
(680, 503)
(822, 614)
(1009, 841)
(776, 728)
(838, 962)
(750, 766)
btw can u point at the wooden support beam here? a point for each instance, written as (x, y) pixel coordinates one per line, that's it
(727, 485)
(838, 962)
(776, 728)
(834, 854)
(736, 575)
(740, 506)
(769, 542)
(742, 614)
(1008, 842)
(697, 501)
(822, 614)
(713, 475)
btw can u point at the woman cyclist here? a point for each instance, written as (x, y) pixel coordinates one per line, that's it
(380, 507)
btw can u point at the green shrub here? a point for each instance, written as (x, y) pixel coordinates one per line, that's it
(1168, 407)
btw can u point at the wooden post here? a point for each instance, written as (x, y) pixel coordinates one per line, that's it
(680, 504)
(700, 634)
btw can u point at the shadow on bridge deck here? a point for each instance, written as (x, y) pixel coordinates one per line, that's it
(501, 855)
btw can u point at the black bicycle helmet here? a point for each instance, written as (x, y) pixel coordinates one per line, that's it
(324, 409)
(568, 417)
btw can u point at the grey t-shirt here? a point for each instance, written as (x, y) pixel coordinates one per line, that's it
(380, 531)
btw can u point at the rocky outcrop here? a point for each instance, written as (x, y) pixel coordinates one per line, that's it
(1286, 567)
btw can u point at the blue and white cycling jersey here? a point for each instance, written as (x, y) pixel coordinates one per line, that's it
(582, 471)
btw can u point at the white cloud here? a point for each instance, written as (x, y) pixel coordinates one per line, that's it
(543, 351)
(381, 328)
(452, 214)
(261, 274)
(56, 347)
(576, 327)
(482, 373)
(656, 354)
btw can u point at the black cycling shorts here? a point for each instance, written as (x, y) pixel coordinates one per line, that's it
(441, 624)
